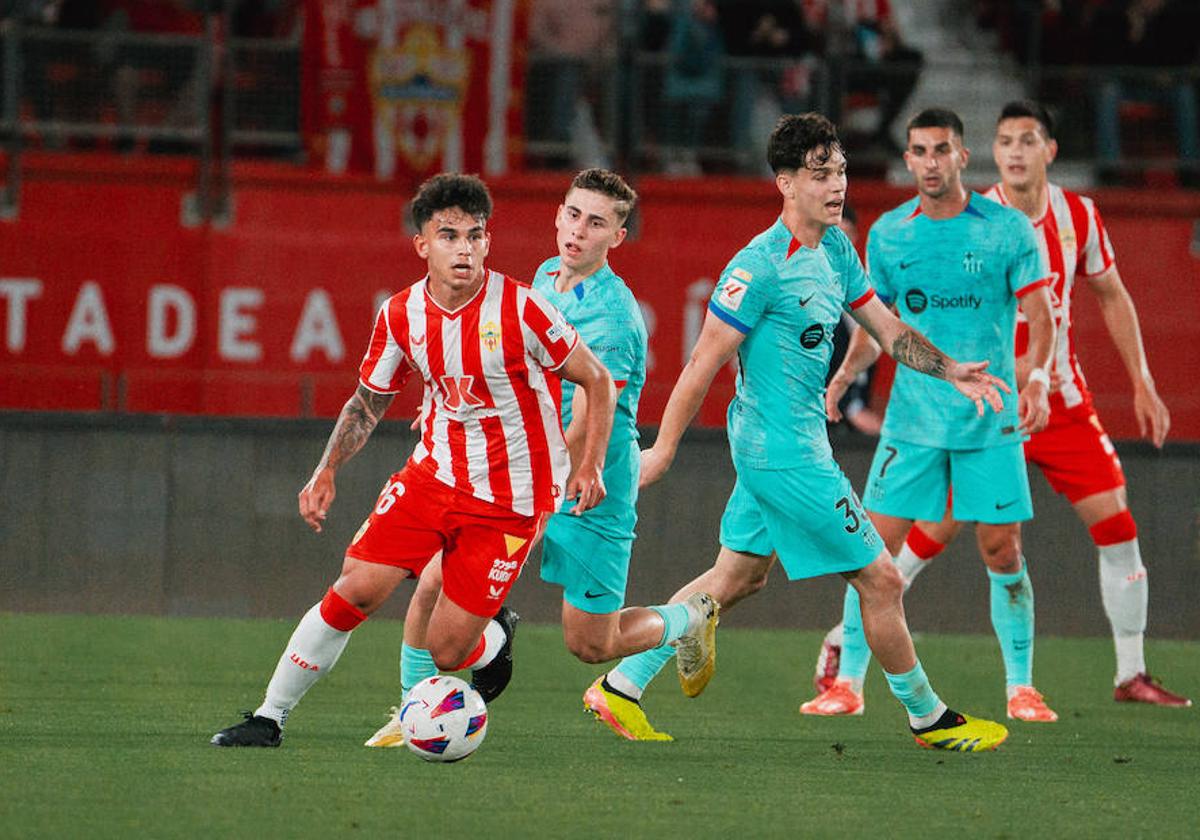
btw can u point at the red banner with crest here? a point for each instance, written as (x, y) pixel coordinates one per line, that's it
(402, 89)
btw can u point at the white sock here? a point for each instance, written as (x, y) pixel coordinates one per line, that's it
(909, 564)
(623, 684)
(313, 649)
(1125, 592)
(929, 719)
(493, 640)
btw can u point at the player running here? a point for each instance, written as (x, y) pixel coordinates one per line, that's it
(588, 554)
(956, 265)
(1073, 451)
(776, 306)
(490, 464)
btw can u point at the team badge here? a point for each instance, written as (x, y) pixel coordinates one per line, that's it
(489, 334)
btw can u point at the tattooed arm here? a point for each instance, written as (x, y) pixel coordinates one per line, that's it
(360, 415)
(909, 347)
(915, 350)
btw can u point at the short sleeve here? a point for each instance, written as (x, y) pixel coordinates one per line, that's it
(854, 276)
(1028, 269)
(548, 337)
(879, 268)
(385, 367)
(1097, 256)
(743, 291)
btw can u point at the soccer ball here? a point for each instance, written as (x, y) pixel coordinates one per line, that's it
(444, 719)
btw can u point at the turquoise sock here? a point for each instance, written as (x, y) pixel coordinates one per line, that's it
(1012, 619)
(914, 691)
(856, 655)
(416, 664)
(642, 667)
(675, 621)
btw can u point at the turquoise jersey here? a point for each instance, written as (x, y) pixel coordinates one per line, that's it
(787, 299)
(609, 320)
(957, 281)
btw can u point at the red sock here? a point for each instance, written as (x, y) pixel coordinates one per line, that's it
(473, 656)
(1119, 528)
(339, 613)
(923, 545)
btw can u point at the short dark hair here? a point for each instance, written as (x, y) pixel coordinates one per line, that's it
(1029, 108)
(451, 189)
(936, 118)
(609, 183)
(849, 213)
(797, 137)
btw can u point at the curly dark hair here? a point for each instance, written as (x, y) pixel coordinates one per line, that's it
(451, 189)
(609, 183)
(802, 141)
(936, 118)
(1028, 108)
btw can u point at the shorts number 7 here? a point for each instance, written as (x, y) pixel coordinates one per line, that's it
(888, 460)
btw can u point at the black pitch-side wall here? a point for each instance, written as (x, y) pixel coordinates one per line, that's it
(194, 517)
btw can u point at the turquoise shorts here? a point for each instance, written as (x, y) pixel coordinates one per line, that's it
(809, 516)
(911, 481)
(591, 567)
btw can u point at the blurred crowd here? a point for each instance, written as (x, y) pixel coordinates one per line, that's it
(249, 18)
(1156, 43)
(746, 60)
(711, 77)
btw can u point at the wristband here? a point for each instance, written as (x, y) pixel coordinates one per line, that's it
(1039, 375)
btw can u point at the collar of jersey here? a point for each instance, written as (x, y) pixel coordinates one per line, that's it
(794, 244)
(599, 275)
(487, 276)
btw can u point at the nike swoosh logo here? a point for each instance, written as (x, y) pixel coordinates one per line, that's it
(1006, 504)
(904, 265)
(804, 301)
(590, 594)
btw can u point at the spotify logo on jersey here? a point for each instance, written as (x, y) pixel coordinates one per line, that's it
(812, 337)
(915, 300)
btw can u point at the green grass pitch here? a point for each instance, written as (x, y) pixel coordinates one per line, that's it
(105, 721)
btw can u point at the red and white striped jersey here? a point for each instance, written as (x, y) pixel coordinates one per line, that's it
(1075, 244)
(489, 416)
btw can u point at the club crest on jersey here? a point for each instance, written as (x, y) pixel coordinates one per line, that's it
(489, 334)
(972, 264)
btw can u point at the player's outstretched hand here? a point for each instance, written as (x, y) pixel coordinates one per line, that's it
(834, 391)
(972, 380)
(586, 488)
(1033, 407)
(316, 497)
(655, 464)
(1154, 421)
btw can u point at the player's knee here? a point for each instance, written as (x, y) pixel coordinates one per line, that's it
(1002, 556)
(882, 585)
(889, 583)
(447, 655)
(739, 586)
(589, 650)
